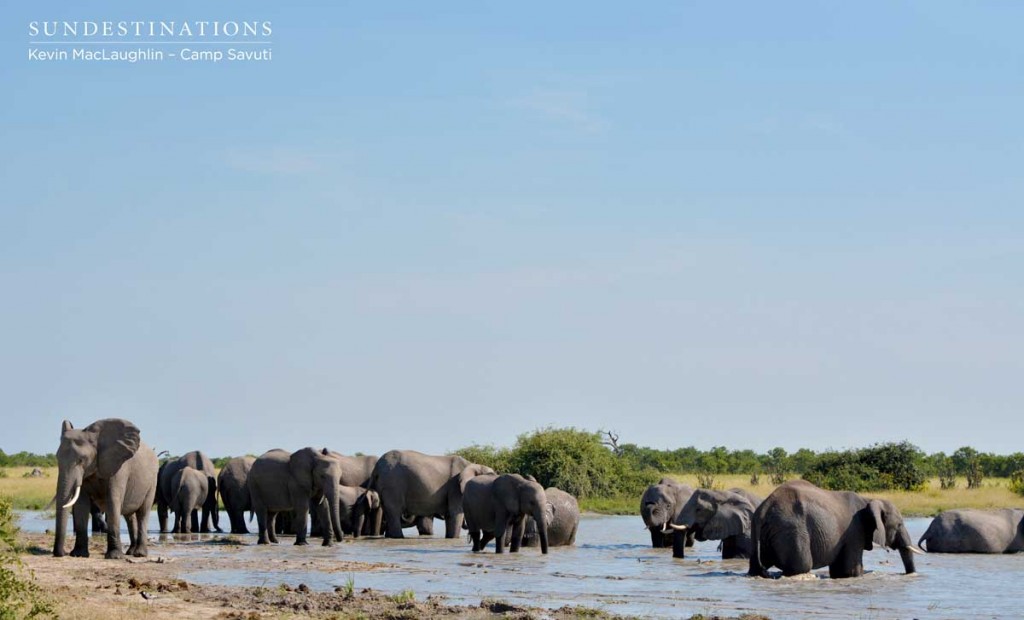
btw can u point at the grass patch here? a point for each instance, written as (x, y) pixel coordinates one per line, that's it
(405, 596)
(29, 493)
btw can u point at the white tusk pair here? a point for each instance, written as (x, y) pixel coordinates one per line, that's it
(78, 490)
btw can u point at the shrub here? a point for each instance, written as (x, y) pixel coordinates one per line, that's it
(19, 597)
(947, 473)
(1017, 482)
(878, 468)
(497, 459)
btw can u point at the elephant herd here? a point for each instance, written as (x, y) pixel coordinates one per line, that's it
(106, 467)
(797, 528)
(801, 527)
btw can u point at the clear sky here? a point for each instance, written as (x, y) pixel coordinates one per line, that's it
(430, 224)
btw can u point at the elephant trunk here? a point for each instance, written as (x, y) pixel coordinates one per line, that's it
(377, 521)
(679, 542)
(69, 487)
(358, 518)
(335, 514)
(542, 528)
(907, 550)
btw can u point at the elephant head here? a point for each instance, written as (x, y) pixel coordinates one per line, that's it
(883, 525)
(712, 515)
(319, 474)
(659, 505)
(98, 450)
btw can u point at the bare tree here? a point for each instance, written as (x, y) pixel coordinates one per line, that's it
(611, 439)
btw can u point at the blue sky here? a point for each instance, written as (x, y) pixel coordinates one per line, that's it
(425, 225)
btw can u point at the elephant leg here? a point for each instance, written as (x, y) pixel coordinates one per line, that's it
(657, 538)
(690, 539)
(425, 526)
(474, 535)
(237, 518)
(204, 522)
(485, 537)
(453, 524)
(393, 518)
(849, 562)
(376, 522)
(80, 516)
(500, 525)
(140, 517)
(161, 513)
(262, 523)
(273, 527)
(133, 533)
(301, 512)
(115, 496)
(194, 515)
(518, 527)
(189, 522)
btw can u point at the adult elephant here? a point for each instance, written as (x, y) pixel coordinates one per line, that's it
(356, 470)
(280, 481)
(190, 491)
(415, 485)
(234, 492)
(801, 527)
(975, 531)
(659, 506)
(494, 503)
(165, 491)
(716, 515)
(105, 463)
(563, 518)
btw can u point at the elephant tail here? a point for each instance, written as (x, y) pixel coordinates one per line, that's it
(924, 537)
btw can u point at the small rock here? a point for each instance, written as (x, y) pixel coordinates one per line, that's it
(303, 588)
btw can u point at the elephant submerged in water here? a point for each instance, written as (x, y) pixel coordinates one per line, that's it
(801, 527)
(563, 518)
(716, 515)
(414, 486)
(106, 464)
(659, 506)
(975, 531)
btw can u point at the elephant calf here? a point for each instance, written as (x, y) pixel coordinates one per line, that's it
(563, 517)
(492, 503)
(716, 515)
(975, 531)
(190, 490)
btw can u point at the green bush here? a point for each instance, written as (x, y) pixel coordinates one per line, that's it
(19, 597)
(878, 468)
(1017, 482)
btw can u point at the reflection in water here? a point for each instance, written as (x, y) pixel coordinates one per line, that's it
(613, 567)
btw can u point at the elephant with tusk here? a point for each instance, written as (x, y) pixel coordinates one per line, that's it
(716, 515)
(659, 506)
(105, 464)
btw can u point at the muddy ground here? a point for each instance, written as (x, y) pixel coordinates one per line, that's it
(152, 587)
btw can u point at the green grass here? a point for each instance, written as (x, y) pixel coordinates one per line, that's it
(405, 596)
(29, 493)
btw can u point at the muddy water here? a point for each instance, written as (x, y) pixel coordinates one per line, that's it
(612, 568)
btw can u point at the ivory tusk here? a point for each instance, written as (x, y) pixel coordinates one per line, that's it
(323, 500)
(78, 491)
(677, 527)
(916, 550)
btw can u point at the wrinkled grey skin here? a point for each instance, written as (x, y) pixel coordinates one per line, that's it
(413, 485)
(165, 491)
(563, 518)
(357, 505)
(659, 506)
(234, 492)
(716, 515)
(494, 504)
(190, 488)
(279, 481)
(975, 531)
(801, 527)
(111, 467)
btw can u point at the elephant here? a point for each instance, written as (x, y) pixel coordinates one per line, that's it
(105, 463)
(356, 470)
(492, 503)
(801, 527)
(99, 526)
(279, 481)
(563, 517)
(357, 504)
(234, 493)
(659, 505)
(975, 531)
(165, 491)
(416, 485)
(191, 488)
(716, 515)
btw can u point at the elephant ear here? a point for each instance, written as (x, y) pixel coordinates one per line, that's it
(732, 518)
(300, 465)
(471, 471)
(117, 441)
(372, 500)
(875, 525)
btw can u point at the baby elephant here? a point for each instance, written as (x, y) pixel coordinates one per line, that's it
(492, 503)
(190, 490)
(975, 531)
(563, 515)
